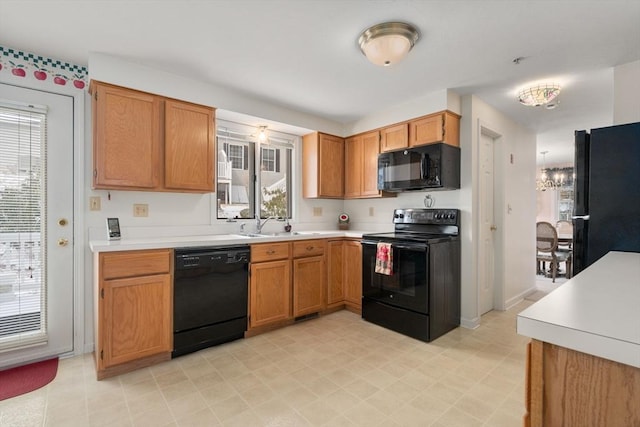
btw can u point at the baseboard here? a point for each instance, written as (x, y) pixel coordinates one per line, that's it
(518, 298)
(470, 323)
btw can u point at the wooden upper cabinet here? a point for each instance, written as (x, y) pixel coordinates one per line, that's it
(361, 165)
(126, 138)
(189, 146)
(143, 141)
(394, 137)
(353, 165)
(322, 166)
(370, 151)
(440, 127)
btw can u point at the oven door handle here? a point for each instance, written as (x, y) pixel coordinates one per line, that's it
(409, 247)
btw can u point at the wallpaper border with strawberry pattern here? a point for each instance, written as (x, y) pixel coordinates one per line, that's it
(24, 65)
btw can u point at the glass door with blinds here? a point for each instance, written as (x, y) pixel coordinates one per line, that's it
(36, 225)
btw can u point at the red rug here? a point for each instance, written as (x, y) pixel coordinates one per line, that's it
(23, 379)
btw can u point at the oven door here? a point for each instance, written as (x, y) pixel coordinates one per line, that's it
(407, 287)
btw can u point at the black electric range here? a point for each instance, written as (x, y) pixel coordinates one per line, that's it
(421, 295)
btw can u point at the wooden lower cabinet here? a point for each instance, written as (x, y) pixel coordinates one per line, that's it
(308, 277)
(344, 274)
(270, 292)
(353, 274)
(134, 314)
(269, 284)
(565, 387)
(335, 273)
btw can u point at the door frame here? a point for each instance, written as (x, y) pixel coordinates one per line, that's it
(498, 201)
(80, 246)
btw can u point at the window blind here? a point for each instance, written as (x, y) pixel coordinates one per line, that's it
(23, 301)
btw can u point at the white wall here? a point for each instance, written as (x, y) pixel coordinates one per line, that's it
(626, 93)
(515, 206)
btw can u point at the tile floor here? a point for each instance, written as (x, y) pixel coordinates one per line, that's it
(337, 370)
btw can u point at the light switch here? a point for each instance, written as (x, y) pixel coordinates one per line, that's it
(94, 203)
(317, 211)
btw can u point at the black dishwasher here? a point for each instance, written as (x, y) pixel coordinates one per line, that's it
(210, 292)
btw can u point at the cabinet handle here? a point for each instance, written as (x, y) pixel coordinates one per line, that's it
(271, 252)
(309, 248)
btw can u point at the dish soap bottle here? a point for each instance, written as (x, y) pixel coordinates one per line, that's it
(287, 226)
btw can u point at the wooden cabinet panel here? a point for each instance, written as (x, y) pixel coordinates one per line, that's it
(308, 285)
(270, 292)
(335, 272)
(370, 151)
(361, 166)
(353, 273)
(394, 137)
(567, 388)
(308, 248)
(426, 130)
(137, 318)
(440, 127)
(322, 166)
(270, 251)
(126, 138)
(353, 164)
(189, 146)
(116, 265)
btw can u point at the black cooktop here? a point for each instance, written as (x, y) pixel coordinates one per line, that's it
(421, 225)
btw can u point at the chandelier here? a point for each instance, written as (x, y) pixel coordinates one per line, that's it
(545, 182)
(539, 95)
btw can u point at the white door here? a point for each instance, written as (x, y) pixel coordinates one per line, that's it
(486, 278)
(49, 250)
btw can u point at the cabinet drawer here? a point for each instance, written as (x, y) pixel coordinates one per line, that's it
(114, 265)
(269, 252)
(308, 248)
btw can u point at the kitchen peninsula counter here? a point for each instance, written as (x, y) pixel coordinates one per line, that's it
(583, 363)
(597, 312)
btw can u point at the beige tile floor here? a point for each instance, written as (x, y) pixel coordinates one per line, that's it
(337, 370)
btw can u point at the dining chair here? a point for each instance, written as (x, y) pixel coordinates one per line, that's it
(565, 228)
(547, 250)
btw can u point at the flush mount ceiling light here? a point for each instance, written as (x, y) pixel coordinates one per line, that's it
(388, 43)
(541, 94)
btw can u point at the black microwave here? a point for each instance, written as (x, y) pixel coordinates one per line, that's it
(428, 167)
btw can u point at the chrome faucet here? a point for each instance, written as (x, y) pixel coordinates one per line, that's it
(260, 224)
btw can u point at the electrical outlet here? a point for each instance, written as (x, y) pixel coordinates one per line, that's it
(94, 203)
(370, 210)
(140, 209)
(317, 211)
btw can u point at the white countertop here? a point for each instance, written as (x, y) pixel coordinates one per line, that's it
(212, 240)
(596, 312)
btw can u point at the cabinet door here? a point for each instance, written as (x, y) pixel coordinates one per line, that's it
(270, 287)
(127, 141)
(427, 130)
(308, 285)
(353, 272)
(331, 168)
(335, 272)
(136, 316)
(189, 146)
(394, 137)
(370, 151)
(353, 167)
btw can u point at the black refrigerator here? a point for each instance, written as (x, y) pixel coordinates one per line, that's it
(606, 215)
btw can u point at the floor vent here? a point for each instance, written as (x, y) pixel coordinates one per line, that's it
(306, 317)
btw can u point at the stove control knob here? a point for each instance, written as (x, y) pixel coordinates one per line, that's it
(438, 216)
(451, 216)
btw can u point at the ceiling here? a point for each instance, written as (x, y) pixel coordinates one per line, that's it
(303, 55)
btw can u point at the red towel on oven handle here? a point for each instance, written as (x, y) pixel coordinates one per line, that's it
(384, 258)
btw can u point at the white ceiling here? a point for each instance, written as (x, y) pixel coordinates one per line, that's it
(302, 54)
